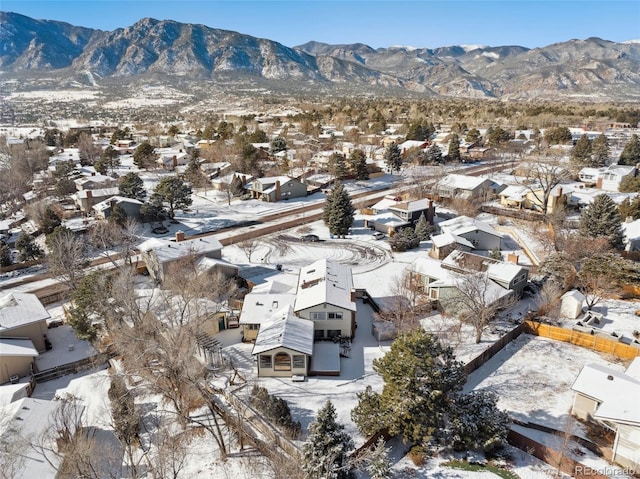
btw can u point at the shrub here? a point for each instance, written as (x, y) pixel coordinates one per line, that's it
(276, 409)
(404, 240)
(417, 455)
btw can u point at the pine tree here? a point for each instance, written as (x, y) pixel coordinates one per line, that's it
(629, 208)
(631, 153)
(325, 454)
(358, 165)
(144, 156)
(602, 219)
(132, 186)
(600, 151)
(393, 158)
(434, 154)
(420, 376)
(422, 228)
(379, 466)
(337, 165)
(338, 211)
(237, 186)
(173, 192)
(49, 221)
(5, 254)
(581, 153)
(454, 148)
(27, 248)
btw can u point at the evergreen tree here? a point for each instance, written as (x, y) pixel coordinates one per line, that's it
(173, 192)
(404, 239)
(393, 158)
(495, 254)
(631, 153)
(237, 186)
(337, 165)
(379, 466)
(338, 211)
(454, 148)
(476, 422)
(49, 221)
(630, 184)
(630, 208)
(602, 219)
(144, 155)
(358, 165)
(325, 454)
(27, 248)
(118, 214)
(420, 378)
(434, 154)
(473, 136)
(194, 175)
(581, 152)
(422, 228)
(558, 135)
(132, 186)
(600, 151)
(5, 254)
(152, 211)
(278, 144)
(498, 136)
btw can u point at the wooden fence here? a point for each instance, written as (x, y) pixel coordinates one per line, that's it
(552, 457)
(496, 347)
(71, 368)
(596, 342)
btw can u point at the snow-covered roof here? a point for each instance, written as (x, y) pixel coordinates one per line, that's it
(431, 268)
(271, 180)
(390, 219)
(103, 205)
(18, 309)
(17, 347)
(97, 178)
(631, 230)
(515, 192)
(385, 203)
(205, 264)
(464, 182)
(325, 281)
(416, 205)
(274, 287)
(617, 393)
(463, 224)
(97, 193)
(27, 419)
(167, 250)
(497, 270)
(285, 330)
(258, 307)
(444, 239)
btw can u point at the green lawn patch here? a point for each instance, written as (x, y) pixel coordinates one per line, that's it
(464, 465)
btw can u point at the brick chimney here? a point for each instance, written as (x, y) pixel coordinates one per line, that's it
(179, 236)
(277, 190)
(89, 199)
(353, 296)
(513, 258)
(175, 161)
(431, 212)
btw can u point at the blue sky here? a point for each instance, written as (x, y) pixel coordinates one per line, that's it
(419, 23)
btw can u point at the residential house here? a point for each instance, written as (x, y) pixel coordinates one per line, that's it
(412, 210)
(276, 188)
(170, 158)
(609, 397)
(442, 285)
(222, 183)
(259, 307)
(506, 274)
(611, 176)
(130, 206)
(463, 186)
(589, 175)
(94, 182)
(391, 214)
(17, 358)
(85, 199)
(285, 345)
(531, 197)
(159, 254)
(27, 421)
(464, 233)
(631, 232)
(326, 296)
(22, 315)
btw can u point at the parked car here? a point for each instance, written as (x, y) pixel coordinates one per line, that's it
(310, 238)
(378, 235)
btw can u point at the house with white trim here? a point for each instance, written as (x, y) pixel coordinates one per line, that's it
(611, 398)
(465, 233)
(463, 186)
(276, 188)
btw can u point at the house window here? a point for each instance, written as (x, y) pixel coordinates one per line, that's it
(333, 333)
(282, 362)
(252, 327)
(318, 334)
(335, 315)
(434, 294)
(265, 361)
(298, 361)
(319, 315)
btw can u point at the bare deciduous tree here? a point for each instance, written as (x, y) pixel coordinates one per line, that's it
(66, 256)
(248, 246)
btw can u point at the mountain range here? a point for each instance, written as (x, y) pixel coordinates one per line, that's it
(592, 67)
